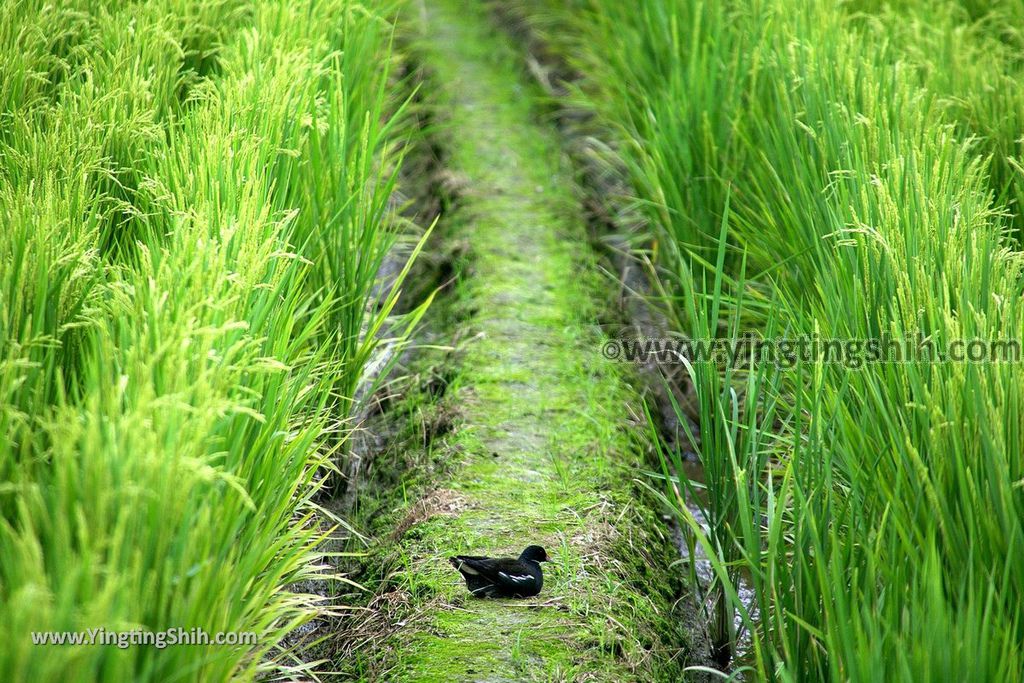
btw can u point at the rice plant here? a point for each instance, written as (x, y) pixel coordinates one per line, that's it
(868, 157)
(195, 197)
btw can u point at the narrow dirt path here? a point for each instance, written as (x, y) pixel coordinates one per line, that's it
(546, 447)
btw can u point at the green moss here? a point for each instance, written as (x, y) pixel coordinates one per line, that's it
(543, 453)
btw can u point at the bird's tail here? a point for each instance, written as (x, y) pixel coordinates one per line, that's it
(464, 566)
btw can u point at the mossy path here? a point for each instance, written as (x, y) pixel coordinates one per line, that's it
(546, 449)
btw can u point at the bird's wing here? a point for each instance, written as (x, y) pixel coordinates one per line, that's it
(516, 581)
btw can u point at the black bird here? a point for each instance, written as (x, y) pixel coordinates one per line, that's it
(503, 577)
